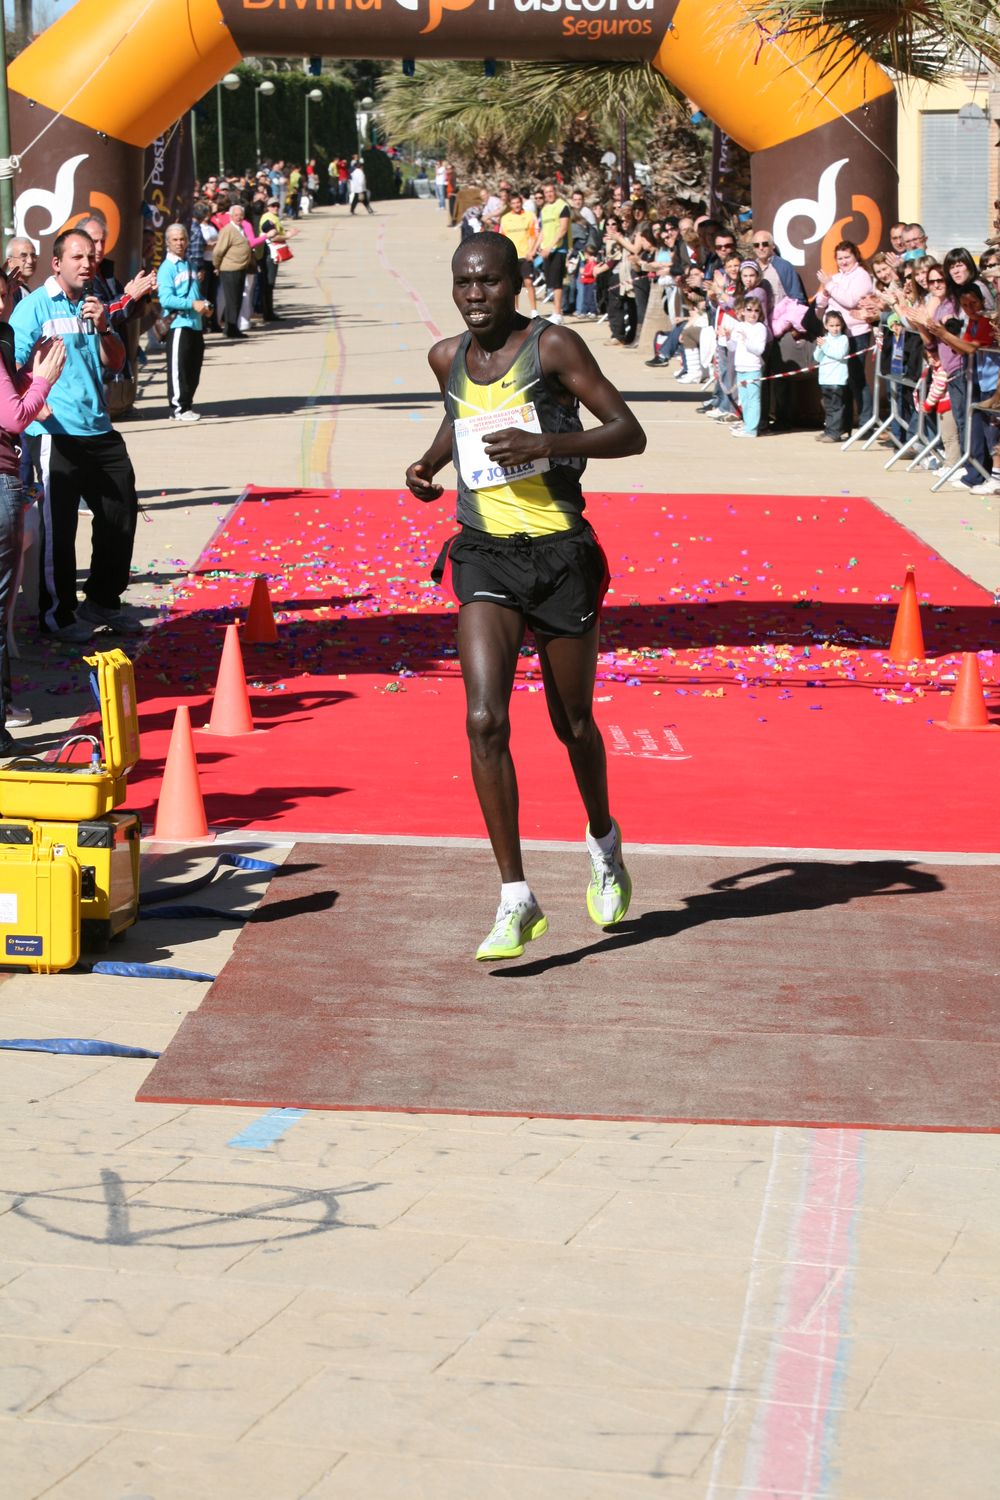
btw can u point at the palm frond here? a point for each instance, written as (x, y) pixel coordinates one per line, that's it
(925, 39)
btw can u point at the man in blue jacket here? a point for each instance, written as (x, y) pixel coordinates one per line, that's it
(76, 451)
(180, 297)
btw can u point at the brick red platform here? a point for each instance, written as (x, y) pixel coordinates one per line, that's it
(853, 993)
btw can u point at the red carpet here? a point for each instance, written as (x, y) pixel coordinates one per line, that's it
(810, 992)
(744, 691)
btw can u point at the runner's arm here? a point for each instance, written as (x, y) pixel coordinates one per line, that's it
(420, 475)
(565, 356)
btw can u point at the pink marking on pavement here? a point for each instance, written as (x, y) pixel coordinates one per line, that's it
(411, 291)
(786, 1447)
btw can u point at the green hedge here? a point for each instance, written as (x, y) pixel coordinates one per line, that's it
(333, 128)
(379, 172)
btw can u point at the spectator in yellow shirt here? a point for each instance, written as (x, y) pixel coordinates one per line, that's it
(521, 227)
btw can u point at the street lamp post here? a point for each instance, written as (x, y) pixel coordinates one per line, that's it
(316, 96)
(265, 87)
(231, 81)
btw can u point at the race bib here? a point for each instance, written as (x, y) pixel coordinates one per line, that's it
(476, 468)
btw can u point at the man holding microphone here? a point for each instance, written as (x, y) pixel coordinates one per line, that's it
(76, 451)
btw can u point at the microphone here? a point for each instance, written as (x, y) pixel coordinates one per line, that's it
(88, 291)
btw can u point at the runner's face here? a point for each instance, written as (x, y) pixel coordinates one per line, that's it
(482, 291)
(177, 242)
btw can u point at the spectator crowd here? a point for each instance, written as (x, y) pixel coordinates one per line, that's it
(902, 351)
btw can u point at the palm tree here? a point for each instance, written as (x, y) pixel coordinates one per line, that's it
(917, 38)
(532, 117)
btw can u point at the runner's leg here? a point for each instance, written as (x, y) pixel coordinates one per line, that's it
(569, 667)
(489, 638)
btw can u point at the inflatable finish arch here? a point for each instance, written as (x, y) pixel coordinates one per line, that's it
(112, 75)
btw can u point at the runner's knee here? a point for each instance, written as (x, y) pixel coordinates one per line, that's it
(488, 727)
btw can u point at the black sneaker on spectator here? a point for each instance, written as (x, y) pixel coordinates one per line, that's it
(118, 621)
(75, 633)
(8, 746)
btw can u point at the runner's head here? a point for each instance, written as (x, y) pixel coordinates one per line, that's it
(486, 279)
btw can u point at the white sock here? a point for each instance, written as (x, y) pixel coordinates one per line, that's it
(514, 892)
(606, 845)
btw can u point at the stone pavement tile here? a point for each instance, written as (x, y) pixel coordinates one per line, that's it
(975, 1253)
(628, 1163)
(879, 1456)
(507, 1210)
(929, 1310)
(69, 1127)
(36, 1455)
(470, 1124)
(934, 1189)
(158, 1390)
(253, 1183)
(747, 1140)
(32, 1369)
(61, 1229)
(34, 1076)
(206, 1130)
(385, 1477)
(957, 1381)
(904, 1242)
(637, 1432)
(934, 1147)
(389, 1338)
(692, 1224)
(82, 1173)
(137, 1310)
(499, 1277)
(157, 1466)
(448, 1152)
(369, 1261)
(606, 1130)
(604, 1351)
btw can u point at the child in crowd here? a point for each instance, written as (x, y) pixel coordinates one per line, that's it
(587, 284)
(831, 352)
(749, 338)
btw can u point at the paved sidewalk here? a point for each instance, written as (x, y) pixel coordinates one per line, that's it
(199, 1301)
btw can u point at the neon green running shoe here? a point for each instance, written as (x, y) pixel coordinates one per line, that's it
(610, 889)
(515, 925)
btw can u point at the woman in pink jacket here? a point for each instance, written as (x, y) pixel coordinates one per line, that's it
(843, 292)
(23, 395)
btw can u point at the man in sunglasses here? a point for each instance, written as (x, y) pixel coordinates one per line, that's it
(723, 244)
(780, 275)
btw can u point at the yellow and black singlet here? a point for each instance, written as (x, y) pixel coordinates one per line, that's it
(542, 503)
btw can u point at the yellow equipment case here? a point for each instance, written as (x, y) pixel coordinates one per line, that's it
(107, 853)
(73, 793)
(39, 906)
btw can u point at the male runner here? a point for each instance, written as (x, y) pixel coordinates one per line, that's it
(525, 557)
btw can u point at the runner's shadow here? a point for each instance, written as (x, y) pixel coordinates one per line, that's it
(795, 886)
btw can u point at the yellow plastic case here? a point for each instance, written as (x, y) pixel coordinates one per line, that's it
(39, 908)
(75, 793)
(107, 852)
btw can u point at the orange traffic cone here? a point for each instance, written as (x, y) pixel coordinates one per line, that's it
(231, 704)
(967, 704)
(180, 811)
(907, 642)
(260, 629)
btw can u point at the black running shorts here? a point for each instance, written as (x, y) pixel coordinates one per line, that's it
(557, 582)
(527, 269)
(555, 269)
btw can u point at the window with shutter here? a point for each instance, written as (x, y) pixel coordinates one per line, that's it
(955, 178)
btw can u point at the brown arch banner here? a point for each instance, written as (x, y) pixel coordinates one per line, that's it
(112, 75)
